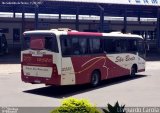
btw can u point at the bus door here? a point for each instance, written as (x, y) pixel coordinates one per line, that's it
(67, 70)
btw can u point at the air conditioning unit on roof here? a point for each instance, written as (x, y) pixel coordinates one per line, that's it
(116, 32)
(64, 29)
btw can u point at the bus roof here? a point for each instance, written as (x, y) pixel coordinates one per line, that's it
(111, 34)
(77, 33)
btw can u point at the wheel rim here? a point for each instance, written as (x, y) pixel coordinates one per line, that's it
(95, 79)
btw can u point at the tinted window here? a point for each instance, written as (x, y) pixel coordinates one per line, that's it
(109, 45)
(132, 45)
(115, 45)
(83, 45)
(51, 44)
(73, 45)
(76, 46)
(123, 45)
(96, 45)
(66, 46)
(120, 45)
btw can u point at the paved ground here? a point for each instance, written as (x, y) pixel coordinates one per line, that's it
(144, 90)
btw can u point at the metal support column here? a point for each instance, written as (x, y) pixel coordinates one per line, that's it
(59, 17)
(36, 16)
(77, 19)
(124, 30)
(23, 26)
(23, 19)
(14, 14)
(139, 16)
(101, 24)
(158, 29)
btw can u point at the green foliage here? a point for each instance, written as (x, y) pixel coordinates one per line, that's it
(73, 105)
(115, 109)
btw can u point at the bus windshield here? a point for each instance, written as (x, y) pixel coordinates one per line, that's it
(37, 42)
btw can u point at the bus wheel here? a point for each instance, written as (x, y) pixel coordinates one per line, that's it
(95, 78)
(133, 71)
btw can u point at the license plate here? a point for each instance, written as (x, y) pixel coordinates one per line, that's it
(37, 81)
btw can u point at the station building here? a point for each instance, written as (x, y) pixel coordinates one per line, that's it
(128, 16)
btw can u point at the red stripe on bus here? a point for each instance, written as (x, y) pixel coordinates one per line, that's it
(85, 33)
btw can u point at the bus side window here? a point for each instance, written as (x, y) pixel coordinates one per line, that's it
(83, 45)
(118, 46)
(96, 45)
(75, 46)
(109, 46)
(66, 46)
(123, 46)
(132, 45)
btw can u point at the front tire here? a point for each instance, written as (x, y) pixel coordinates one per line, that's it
(95, 79)
(133, 71)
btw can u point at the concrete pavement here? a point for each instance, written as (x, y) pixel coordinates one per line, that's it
(144, 90)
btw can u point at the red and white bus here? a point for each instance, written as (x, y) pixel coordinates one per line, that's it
(68, 57)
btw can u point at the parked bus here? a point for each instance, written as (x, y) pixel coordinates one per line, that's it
(68, 57)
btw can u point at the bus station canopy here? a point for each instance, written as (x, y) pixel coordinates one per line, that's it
(133, 8)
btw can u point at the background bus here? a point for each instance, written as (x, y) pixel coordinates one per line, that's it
(66, 57)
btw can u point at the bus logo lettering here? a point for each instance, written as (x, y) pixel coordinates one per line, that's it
(119, 59)
(128, 58)
(44, 60)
